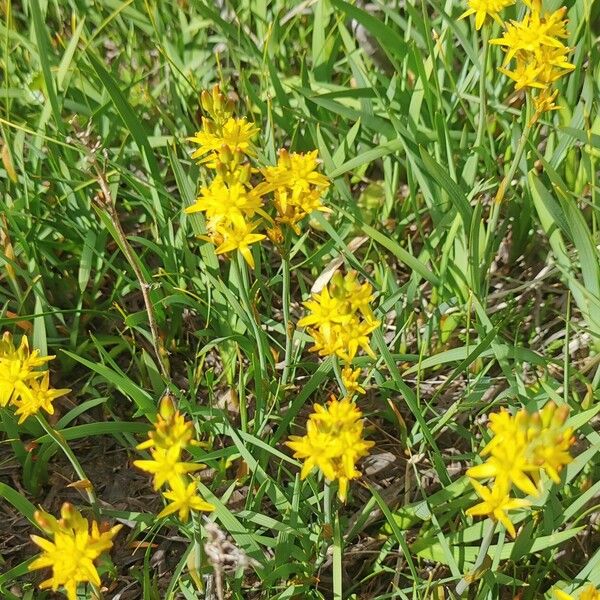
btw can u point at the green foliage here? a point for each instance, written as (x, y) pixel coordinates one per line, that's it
(479, 311)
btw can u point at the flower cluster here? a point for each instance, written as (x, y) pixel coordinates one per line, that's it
(537, 53)
(297, 186)
(172, 434)
(234, 202)
(589, 592)
(340, 319)
(75, 546)
(333, 443)
(22, 384)
(522, 447)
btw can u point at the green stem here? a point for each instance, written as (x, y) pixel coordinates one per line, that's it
(482, 91)
(516, 159)
(288, 326)
(197, 550)
(96, 593)
(244, 282)
(327, 501)
(338, 551)
(338, 375)
(500, 194)
(62, 444)
(463, 584)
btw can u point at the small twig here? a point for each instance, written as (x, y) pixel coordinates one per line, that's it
(108, 204)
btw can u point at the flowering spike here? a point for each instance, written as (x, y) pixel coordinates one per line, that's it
(535, 45)
(522, 446)
(340, 318)
(333, 443)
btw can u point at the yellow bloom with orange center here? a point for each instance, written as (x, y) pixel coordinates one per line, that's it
(73, 550)
(333, 443)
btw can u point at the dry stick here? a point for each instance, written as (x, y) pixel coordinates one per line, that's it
(109, 206)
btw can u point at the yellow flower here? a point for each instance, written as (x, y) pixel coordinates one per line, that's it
(217, 105)
(350, 381)
(551, 440)
(543, 102)
(184, 497)
(226, 203)
(165, 465)
(40, 395)
(325, 312)
(484, 8)
(524, 444)
(239, 236)
(171, 429)
(535, 45)
(360, 296)
(508, 464)
(333, 443)
(340, 318)
(496, 503)
(297, 184)
(589, 592)
(235, 135)
(355, 335)
(75, 545)
(533, 32)
(521, 447)
(17, 368)
(539, 73)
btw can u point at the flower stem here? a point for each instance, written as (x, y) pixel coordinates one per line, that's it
(196, 562)
(327, 501)
(464, 583)
(338, 375)
(495, 209)
(482, 91)
(513, 167)
(62, 444)
(288, 326)
(244, 282)
(338, 552)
